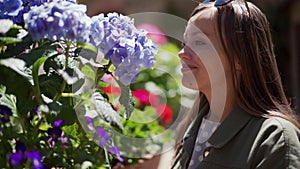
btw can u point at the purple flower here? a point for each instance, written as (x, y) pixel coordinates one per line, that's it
(104, 137)
(20, 147)
(5, 113)
(33, 113)
(10, 8)
(126, 47)
(16, 158)
(58, 123)
(115, 150)
(54, 133)
(35, 158)
(58, 20)
(90, 122)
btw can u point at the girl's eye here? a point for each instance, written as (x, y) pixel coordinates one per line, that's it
(199, 42)
(182, 44)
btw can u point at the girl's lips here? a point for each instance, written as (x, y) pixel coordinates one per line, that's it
(187, 69)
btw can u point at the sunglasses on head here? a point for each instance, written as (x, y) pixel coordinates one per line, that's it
(222, 2)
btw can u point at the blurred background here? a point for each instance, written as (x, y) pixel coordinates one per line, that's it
(284, 17)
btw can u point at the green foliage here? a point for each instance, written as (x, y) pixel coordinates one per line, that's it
(44, 82)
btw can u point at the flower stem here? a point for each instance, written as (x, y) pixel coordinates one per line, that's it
(64, 84)
(106, 158)
(101, 72)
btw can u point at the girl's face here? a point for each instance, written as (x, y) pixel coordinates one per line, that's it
(204, 63)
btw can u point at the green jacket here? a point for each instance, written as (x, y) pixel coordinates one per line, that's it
(243, 141)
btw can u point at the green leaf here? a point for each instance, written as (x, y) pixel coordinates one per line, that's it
(18, 86)
(86, 50)
(46, 50)
(15, 83)
(50, 85)
(17, 65)
(71, 130)
(88, 71)
(8, 100)
(35, 71)
(16, 49)
(126, 99)
(105, 110)
(14, 31)
(9, 40)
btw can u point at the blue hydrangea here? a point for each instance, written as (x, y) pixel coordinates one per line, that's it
(126, 47)
(58, 20)
(10, 8)
(15, 9)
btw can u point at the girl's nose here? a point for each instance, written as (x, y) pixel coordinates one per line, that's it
(184, 55)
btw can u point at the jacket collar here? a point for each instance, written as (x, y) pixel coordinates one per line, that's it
(231, 125)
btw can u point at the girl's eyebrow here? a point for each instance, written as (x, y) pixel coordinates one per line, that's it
(185, 35)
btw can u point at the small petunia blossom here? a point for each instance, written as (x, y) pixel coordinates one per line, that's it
(54, 133)
(20, 147)
(103, 136)
(90, 122)
(35, 159)
(5, 113)
(58, 123)
(16, 158)
(116, 151)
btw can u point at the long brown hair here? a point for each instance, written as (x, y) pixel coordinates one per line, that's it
(246, 39)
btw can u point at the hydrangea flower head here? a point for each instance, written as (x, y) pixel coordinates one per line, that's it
(10, 8)
(58, 20)
(126, 47)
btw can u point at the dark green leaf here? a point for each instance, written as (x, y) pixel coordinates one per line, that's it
(13, 31)
(126, 99)
(7, 99)
(50, 85)
(105, 110)
(16, 49)
(18, 86)
(17, 65)
(86, 50)
(46, 50)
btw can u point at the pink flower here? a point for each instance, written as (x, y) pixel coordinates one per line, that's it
(112, 90)
(145, 98)
(154, 33)
(165, 112)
